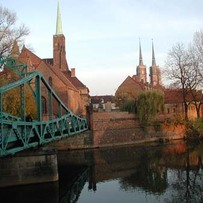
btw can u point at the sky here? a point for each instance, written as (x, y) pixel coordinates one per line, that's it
(102, 36)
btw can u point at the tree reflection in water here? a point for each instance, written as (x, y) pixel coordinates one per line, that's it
(187, 182)
(167, 173)
(176, 168)
(171, 172)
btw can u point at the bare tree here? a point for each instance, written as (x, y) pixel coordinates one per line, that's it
(9, 32)
(197, 50)
(179, 70)
(184, 69)
(195, 78)
(198, 45)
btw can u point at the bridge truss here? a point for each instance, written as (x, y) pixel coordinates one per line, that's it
(18, 133)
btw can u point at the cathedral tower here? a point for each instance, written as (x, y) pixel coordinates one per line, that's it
(155, 76)
(59, 48)
(141, 68)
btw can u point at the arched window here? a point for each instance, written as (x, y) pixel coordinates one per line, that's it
(50, 81)
(44, 105)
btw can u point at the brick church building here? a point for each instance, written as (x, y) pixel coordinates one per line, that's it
(133, 85)
(63, 80)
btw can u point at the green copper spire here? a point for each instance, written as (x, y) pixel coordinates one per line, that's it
(58, 22)
(153, 55)
(140, 55)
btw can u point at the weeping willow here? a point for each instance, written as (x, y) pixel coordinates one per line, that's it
(149, 104)
(129, 105)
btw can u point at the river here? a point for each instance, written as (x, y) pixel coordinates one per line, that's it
(152, 173)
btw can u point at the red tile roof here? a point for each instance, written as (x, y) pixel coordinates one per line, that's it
(105, 98)
(74, 80)
(29, 58)
(50, 61)
(173, 96)
(176, 96)
(33, 60)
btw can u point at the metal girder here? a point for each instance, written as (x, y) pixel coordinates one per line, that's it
(16, 134)
(20, 135)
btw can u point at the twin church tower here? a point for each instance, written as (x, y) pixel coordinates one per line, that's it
(154, 71)
(59, 59)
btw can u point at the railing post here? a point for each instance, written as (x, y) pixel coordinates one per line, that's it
(22, 102)
(50, 105)
(1, 125)
(38, 98)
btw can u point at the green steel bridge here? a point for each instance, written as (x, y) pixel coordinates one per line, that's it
(18, 133)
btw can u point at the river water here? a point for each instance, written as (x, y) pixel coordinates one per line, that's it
(152, 173)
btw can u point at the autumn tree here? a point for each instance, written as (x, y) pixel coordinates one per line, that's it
(12, 99)
(9, 31)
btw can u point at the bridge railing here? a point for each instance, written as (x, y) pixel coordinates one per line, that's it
(20, 135)
(17, 134)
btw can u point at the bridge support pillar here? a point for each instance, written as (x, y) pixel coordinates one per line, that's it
(28, 168)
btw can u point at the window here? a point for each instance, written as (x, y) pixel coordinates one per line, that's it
(50, 81)
(44, 105)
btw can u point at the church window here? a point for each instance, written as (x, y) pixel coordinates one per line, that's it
(50, 81)
(44, 105)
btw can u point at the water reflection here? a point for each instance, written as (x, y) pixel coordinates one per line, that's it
(164, 173)
(148, 173)
(37, 193)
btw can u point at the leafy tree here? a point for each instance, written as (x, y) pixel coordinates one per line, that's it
(11, 102)
(11, 98)
(149, 104)
(9, 32)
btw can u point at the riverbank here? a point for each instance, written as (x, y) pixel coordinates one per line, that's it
(120, 128)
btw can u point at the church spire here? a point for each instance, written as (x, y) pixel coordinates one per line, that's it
(140, 55)
(15, 50)
(58, 21)
(59, 45)
(153, 55)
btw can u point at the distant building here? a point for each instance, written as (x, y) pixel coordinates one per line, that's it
(103, 103)
(132, 86)
(63, 80)
(174, 104)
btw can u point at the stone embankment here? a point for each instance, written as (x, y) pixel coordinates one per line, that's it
(119, 128)
(29, 168)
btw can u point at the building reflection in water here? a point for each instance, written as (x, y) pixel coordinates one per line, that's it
(47, 192)
(172, 173)
(159, 170)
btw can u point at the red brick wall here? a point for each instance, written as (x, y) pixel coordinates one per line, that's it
(118, 128)
(129, 88)
(122, 128)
